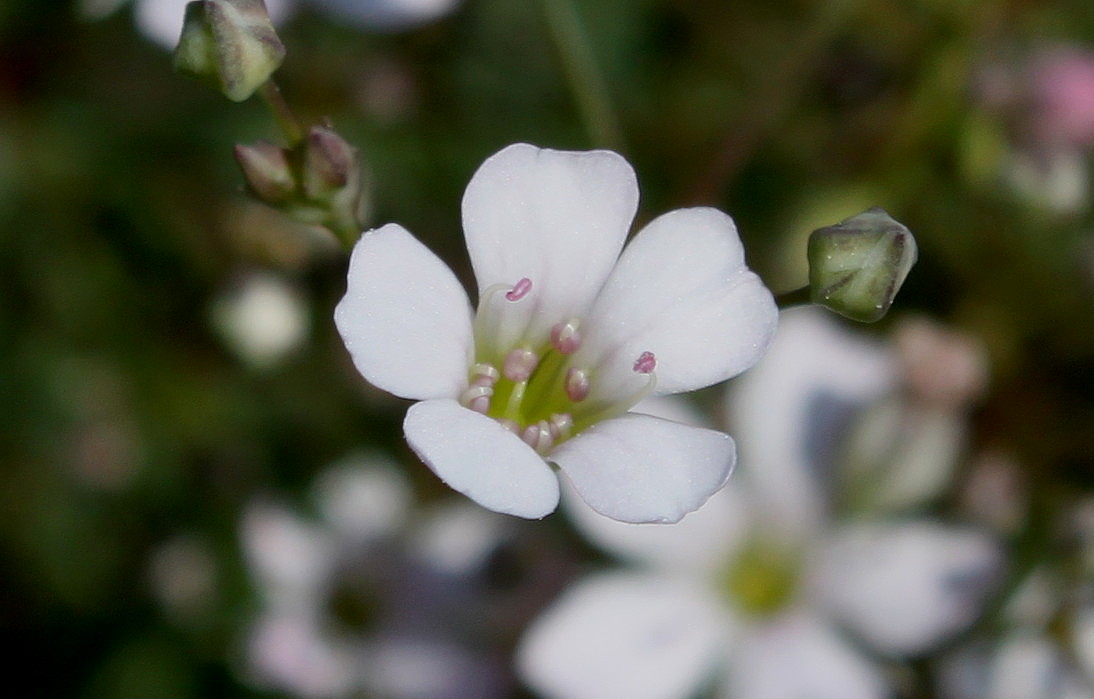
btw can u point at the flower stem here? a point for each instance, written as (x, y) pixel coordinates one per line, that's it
(797, 297)
(587, 82)
(283, 114)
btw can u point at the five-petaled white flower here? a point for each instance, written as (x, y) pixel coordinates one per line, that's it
(569, 334)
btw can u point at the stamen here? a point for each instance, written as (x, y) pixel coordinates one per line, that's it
(538, 436)
(519, 364)
(477, 398)
(560, 425)
(577, 384)
(484, 371)
(565, 336)
(510, 425)
(519, 290)
(645, 363)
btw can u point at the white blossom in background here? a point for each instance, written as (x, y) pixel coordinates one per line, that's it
(262, 319)
(386, 15)
(352, 556)
(569, 335)
(1041, 645)
(765, 592)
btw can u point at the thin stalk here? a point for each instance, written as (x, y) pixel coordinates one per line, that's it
(797, 297)
(282, 113)
(585, 78)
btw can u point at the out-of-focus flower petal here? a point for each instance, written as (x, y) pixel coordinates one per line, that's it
(161, 20)
(638, 468)
(905, 587)
(405, 319)
(698, 544)
(623, 636)
(478, 457)
(387, 15)
(790, 408)
(799, 656)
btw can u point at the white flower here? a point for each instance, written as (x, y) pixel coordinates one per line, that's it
(758, 591)
(567, 338)
(329, 625)
(262, 319)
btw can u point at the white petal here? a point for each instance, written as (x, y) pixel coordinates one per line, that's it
(905, 587)
(638, 468)
(700, 543)
(798, 657)
(405, 318)
(161, 20)
(478, 457)
(789, 412)
(387, 15)
(682, 291)
(623, 636)
(557, 218)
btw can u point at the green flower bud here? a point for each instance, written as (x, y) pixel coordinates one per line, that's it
(267, 171)
(230, 44)
(857, 266)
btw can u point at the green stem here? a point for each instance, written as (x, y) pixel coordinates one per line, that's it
(587, 83)
(797, 297)
(282, 113)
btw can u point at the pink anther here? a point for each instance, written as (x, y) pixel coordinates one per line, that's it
(519, 290)
(565, 337)
(577, 384)
(519, 364)
(645, 363)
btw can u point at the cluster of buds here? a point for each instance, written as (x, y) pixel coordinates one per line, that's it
(857, 266)
(319, 181)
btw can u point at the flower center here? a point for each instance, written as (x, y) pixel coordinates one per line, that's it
(536, 388)
(762, 578)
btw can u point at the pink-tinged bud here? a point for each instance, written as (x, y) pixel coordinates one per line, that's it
(267, 171)
(577, 384)
(565, 337)
(519, 364)
(229, 43)
(329, 162)
(645, 363)
(332, 183)
(519, 290)
(510, 425)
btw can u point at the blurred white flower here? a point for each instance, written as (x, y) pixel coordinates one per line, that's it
(386, 15)
(759, 589)
(1041, 645)
(333, 593)
(261, 318)
(570, 333)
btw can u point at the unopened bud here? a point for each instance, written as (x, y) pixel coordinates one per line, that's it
(333, 182)
(329, 163)
(857, 266)
(230, 43)
(267, 171)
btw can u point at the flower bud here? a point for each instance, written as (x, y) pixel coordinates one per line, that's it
(266, 168)
(229, 43)
(318, 181)
(857, 266)
(329, 163)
